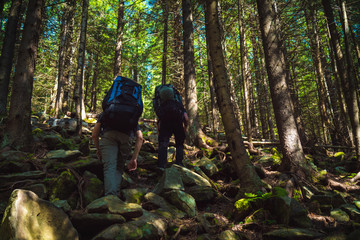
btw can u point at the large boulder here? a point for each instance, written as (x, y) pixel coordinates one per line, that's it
(29, 217)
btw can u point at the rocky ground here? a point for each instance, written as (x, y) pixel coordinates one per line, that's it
(57, 190)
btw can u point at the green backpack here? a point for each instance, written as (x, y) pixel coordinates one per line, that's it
(167, 103)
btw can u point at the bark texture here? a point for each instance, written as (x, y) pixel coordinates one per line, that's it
(18, 126)
(294, 158)
(7, 53)
(250, 181)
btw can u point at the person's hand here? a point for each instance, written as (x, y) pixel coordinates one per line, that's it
(132, 165)
(98, 154)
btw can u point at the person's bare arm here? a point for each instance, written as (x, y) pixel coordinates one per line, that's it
(132, 165)
(95, 136)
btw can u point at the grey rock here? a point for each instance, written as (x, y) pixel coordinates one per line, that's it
(29, 217)
(183, 201)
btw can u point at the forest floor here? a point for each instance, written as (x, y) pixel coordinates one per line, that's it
(334, 178)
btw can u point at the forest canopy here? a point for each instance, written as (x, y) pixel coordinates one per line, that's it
(149, 38)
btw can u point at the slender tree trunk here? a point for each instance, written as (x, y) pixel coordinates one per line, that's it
(7, 53)
(87, 74)
(345, 74)
(79, 83)
(294, 158)
(63, 65)
(245, 76)
(196, 135)
(264, 82)
(94, 84)
(310, 17)
(119, 30)
(214, 106)
(178, 55)
(243, 166)
(18, 126)
(165, 40)
(261, 91)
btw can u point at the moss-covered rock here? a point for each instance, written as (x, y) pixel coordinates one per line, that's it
(64, 187)
(183, 201)
(29, 217)
(93, 187)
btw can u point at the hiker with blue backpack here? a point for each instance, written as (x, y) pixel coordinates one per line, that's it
(116, 125)
(171, 119)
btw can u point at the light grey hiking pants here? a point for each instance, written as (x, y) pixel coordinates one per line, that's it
(115, 149)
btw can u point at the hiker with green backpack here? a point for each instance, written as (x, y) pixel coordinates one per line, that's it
(172, 119)
(122, 108)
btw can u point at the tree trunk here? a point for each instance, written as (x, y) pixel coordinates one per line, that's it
(7, 54)
(245, 77)
(178, 55)
(264, 82)
(18, 126)
(294, 158)
(214, 106)
(118, 46)
(79, 82)
(65, 41)
(243, 166)
(345, 75)
(165, 40)
(196, 135)
(94, 85)
(310, 17)
(261, 90)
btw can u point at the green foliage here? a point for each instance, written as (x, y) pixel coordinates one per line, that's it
(244, 203)
(297, 195)
(37, 132)
(339, 155)
(277, 156)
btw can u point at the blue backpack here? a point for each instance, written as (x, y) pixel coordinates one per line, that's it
(122, 105)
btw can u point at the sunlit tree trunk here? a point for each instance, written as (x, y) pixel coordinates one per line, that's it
(87, 74)
(294, 94)
(65, 41)
(7, 53)
(119, 35)
(196, 135)
(79, 82)
(18, 127)
(346, 74)
(250, 181)
(293, 155)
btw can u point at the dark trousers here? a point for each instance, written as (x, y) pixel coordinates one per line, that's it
(165, 132)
